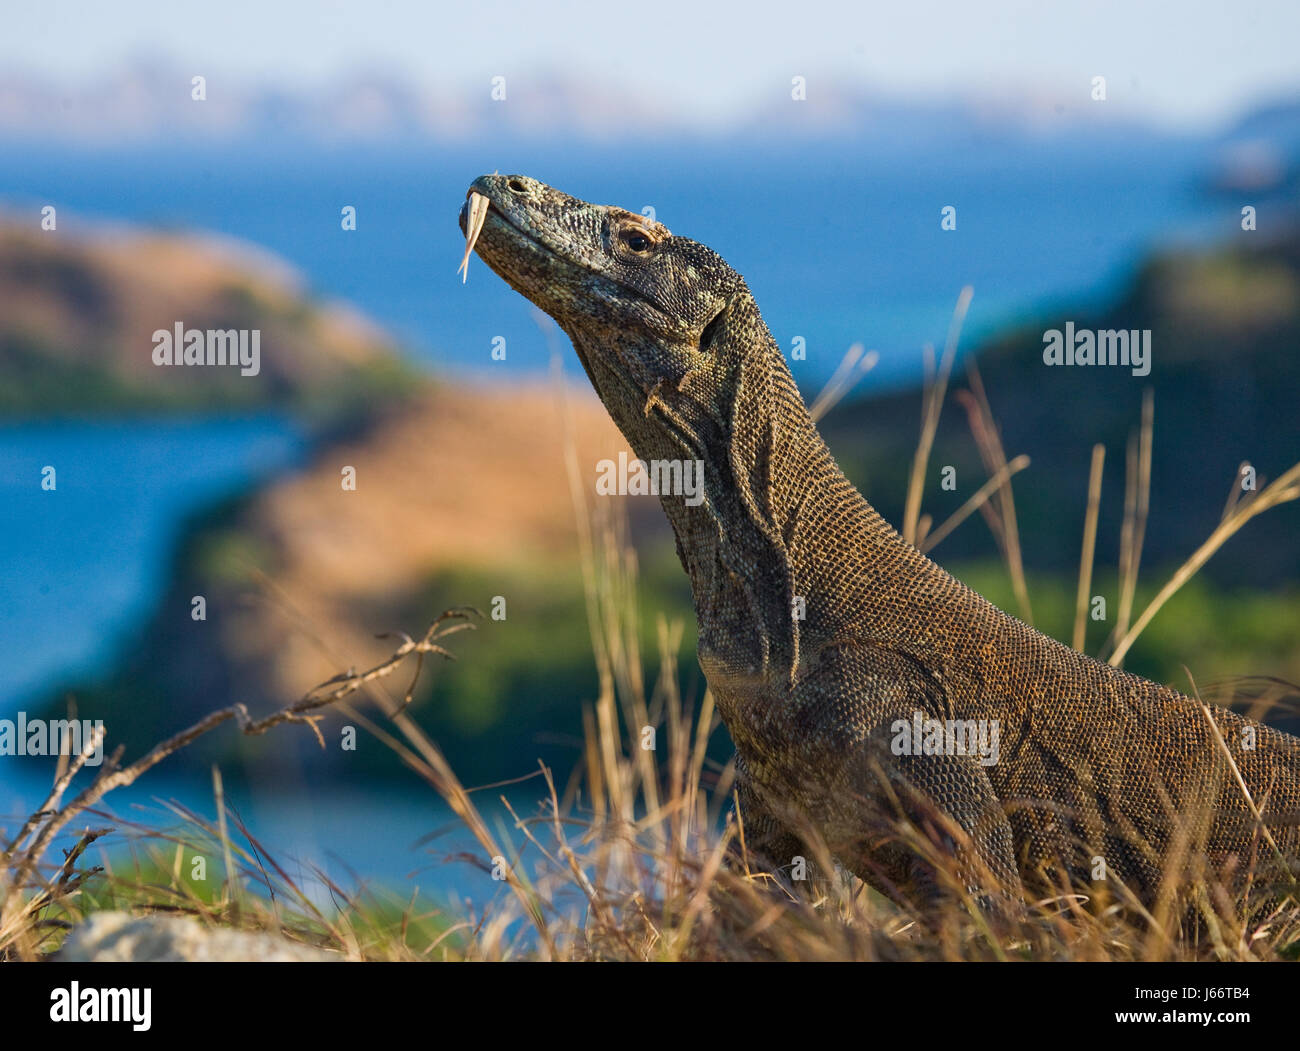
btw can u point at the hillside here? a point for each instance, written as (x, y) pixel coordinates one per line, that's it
(78, 313)
(461, 495)
(1225, 372)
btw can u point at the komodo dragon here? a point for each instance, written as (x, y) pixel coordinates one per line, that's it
(1095, 769)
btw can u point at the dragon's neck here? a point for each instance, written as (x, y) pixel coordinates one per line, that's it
(776, 546)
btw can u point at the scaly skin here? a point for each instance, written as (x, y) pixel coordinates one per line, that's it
(1094, 763)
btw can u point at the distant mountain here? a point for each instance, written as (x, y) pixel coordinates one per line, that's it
(1258, 157)
(153, 101)
(81, 318)
(1277, 121)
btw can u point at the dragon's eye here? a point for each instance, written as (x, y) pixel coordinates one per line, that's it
(635, 241)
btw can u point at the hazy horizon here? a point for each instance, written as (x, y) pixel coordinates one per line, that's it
(711, 66)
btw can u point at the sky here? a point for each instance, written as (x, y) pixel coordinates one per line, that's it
(1189, 64)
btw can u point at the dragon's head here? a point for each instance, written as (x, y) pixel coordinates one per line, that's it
(658, 321)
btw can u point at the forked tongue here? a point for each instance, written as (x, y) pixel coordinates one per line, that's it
(478, 209)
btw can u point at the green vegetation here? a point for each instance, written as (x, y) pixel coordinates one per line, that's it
(519, 685)
(181, 869)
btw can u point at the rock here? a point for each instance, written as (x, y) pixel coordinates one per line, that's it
(119, 937)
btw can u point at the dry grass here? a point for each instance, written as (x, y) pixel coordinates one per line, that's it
(627, 858)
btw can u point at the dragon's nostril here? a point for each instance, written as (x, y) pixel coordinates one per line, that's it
(516, 186)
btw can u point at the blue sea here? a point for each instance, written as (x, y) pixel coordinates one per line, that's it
(840, 244)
